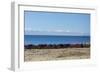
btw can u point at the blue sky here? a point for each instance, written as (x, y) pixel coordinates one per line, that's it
(50, 23)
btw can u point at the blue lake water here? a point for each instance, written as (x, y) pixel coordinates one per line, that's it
(46, 39)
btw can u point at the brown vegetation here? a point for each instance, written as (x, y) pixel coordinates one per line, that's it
(56, 54)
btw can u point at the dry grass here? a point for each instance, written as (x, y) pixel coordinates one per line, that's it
(56, 54)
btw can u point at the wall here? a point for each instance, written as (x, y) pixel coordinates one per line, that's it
(5, 34)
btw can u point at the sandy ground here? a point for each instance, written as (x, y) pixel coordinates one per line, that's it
(56, 54)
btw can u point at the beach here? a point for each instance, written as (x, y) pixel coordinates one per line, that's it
(43, 48)
(56, 54)
(56, 36)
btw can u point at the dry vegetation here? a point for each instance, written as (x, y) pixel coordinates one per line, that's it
(56, 54)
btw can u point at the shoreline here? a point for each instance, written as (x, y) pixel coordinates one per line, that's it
(56, 46)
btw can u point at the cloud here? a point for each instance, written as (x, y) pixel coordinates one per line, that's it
(28, 29)
(61, 31)
(58, 32)
(38, 30)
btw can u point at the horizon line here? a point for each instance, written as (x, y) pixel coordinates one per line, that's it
(56, 35)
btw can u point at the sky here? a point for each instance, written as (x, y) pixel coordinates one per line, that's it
(56, 23)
